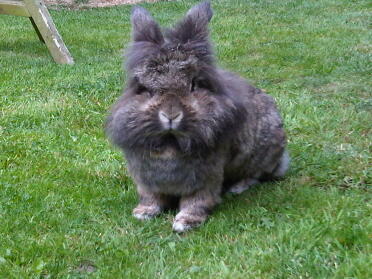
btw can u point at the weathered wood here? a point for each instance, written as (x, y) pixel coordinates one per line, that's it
(43, 25)
(48, 31)
(11, 7)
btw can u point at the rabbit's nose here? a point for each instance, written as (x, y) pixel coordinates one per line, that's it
(170, 121)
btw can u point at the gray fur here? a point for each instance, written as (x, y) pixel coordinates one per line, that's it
(202, 12)
(230, 132)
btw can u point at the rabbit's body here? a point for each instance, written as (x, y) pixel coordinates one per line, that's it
(189, 129)
(252, 151)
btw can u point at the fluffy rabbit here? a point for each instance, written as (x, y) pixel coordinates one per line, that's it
(190, 130)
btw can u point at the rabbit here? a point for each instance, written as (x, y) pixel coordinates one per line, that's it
(189, 130)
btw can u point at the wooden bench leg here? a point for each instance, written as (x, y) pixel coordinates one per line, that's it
(37, 30)
(47, 31)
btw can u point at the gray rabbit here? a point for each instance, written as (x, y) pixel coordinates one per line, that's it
(191, 131)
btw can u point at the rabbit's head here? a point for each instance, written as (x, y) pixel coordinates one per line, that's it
(175, 96)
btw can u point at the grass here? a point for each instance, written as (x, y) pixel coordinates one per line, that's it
(65, 195)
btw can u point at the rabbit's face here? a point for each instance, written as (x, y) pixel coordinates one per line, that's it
(174, 103)
(174, 98)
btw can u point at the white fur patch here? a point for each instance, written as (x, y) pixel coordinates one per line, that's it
(180, 227)
(146, 215)
(284, 165)
(141, 216)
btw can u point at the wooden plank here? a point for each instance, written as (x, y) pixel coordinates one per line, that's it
(48, 31)
(11, 7)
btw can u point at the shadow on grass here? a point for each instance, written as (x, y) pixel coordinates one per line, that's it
(252, 195)
(32, 48)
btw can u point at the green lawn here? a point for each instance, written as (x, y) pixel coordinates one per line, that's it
(66, 198)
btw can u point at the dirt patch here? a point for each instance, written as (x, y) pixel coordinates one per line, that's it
(77, 4)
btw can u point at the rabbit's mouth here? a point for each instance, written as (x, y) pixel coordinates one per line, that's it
(172, 140)
(166, 141)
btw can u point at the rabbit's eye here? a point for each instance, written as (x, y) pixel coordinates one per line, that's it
(143, 90)
(201, 84)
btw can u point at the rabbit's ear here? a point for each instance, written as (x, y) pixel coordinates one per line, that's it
(201, 13)
(144, 27)
(194, 26)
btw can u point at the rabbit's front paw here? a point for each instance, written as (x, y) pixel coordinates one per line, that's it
(185, 221)
(145, 212)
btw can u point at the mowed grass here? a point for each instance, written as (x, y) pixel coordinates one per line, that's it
(65, 195)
